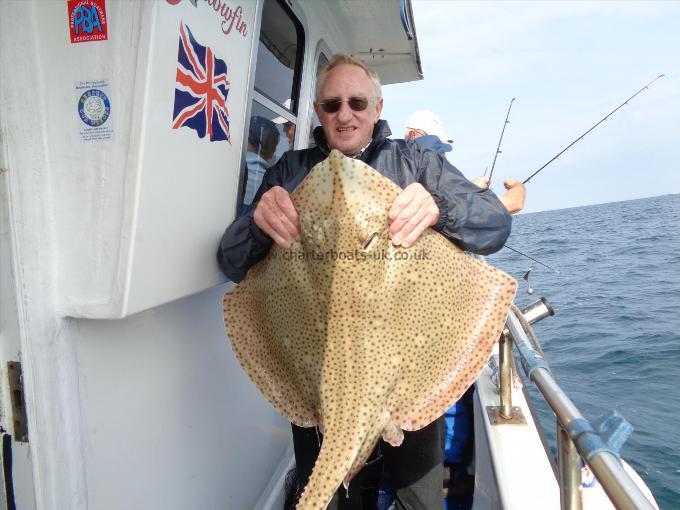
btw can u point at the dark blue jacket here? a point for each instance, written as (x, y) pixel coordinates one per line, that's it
(433, 142)
(471, 217)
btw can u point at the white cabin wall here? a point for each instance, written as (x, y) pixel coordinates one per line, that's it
(48, 364)
(137, 213)
(10, 350)
(148, 411)
(169, 415)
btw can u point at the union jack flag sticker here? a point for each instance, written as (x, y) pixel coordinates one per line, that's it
(201, 89)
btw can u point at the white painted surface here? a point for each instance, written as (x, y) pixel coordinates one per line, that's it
(512, 469)
(594, 496)
(519, 475)
(139, 403)
(22, 474)
(187, 192)
(370, 30)
(168, 414)
(137, 216)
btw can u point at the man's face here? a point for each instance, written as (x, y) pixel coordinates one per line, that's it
(347, 130)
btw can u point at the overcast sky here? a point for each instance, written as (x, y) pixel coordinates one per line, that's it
(567, 64)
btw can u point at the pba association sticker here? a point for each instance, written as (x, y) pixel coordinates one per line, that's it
(94, 110)
(87, 20)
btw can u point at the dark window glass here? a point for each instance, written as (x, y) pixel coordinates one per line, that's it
(279, 55)
(277, 82)
(269, 136)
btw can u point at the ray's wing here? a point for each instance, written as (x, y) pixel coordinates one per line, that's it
(267, 339)
(454, 315)
(276, 318)
(434, 312)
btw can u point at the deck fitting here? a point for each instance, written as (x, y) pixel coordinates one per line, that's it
(495, 417)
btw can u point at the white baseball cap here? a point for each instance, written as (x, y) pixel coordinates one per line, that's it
(429, 122)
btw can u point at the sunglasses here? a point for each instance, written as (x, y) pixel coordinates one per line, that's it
(333, 105)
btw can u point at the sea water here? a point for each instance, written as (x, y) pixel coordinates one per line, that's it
(614, 342)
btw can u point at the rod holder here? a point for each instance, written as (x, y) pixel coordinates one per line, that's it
(505, 375)
(535, 312)
(569, 471)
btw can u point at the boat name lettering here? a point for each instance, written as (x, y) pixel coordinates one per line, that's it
(231, 17)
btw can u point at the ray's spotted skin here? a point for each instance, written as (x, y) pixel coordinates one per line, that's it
(347, 331)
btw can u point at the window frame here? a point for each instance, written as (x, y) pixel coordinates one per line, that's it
(256, 96)
(321, 49)
(262, 97)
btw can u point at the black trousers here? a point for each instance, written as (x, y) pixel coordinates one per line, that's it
(414, 469)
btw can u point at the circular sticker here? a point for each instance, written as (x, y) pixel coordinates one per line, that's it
(94, 107)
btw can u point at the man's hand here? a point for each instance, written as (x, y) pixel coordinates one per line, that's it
(513, 199)
(411, 213)
(481, 182)
(276, 216)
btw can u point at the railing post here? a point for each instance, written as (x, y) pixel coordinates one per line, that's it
(569, 471)
(621, 489)
(505, 375)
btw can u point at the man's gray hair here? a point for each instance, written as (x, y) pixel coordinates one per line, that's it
(344, 59)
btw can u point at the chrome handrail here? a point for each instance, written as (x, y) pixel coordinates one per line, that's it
(605, 465)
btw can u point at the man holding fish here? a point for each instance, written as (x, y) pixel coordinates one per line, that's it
(434, 195)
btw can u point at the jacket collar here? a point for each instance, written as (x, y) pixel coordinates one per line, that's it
(433, 142)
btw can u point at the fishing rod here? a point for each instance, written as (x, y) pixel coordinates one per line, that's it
(531, 258)
(498, 149)
(584, 134)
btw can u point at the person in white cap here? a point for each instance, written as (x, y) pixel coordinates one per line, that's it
(423, 123)
(427, 129)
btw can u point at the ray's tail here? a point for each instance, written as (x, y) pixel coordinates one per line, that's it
(333, 463)
(340, 458)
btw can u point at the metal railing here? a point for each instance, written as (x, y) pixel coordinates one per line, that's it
(576, 438)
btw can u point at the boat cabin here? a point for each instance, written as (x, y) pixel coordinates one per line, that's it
(124, 134)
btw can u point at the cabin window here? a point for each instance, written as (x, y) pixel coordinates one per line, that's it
(273, 116)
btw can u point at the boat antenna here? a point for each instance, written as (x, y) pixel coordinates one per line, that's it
(531, 258)
(498, 149)
(584, 134)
